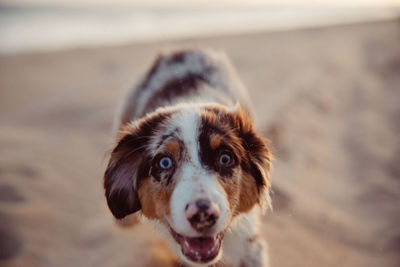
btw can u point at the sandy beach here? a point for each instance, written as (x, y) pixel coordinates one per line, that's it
(328, 98)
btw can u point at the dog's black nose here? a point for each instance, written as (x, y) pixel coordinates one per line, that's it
(203, 204)
(202, 214)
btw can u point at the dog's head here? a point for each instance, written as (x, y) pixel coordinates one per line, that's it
(193, 169)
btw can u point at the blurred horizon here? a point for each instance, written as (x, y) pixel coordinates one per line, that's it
(354, 3)
(44, 25)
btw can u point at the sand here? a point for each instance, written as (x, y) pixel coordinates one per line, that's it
(328, 98)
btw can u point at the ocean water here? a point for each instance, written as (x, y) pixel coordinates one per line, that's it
(27, 27)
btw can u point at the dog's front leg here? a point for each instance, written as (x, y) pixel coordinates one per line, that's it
(257, 254)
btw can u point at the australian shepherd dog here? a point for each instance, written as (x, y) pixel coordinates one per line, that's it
(188, 159)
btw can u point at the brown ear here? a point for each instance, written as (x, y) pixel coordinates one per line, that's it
(257, 160)
(120, 178)
(129, 165)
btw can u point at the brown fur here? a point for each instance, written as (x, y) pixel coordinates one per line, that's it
(249, 193)
(235, 130)
(258, 155)
(155, 200)
(215, 141)
(232, 190)
(173, 147)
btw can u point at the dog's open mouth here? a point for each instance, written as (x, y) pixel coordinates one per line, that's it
(199, 249)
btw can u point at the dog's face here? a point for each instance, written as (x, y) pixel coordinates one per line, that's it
(192, 169)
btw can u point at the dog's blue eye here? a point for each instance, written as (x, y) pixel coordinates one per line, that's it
(225, 160)
(165, 163)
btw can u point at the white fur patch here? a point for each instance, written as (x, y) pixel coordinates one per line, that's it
(193, 181)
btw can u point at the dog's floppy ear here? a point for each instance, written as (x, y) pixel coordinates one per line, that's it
(128, 165)
(257, 160)
(120, 178)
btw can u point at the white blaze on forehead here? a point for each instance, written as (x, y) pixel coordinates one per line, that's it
(187, 122)
(193, 181)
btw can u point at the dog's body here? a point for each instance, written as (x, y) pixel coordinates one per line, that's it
(188, 158)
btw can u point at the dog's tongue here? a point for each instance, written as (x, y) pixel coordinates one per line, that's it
(201, 249)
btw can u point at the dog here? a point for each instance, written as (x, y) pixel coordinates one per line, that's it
(188, 159)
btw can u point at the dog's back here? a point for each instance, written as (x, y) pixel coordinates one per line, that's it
(190, 76)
